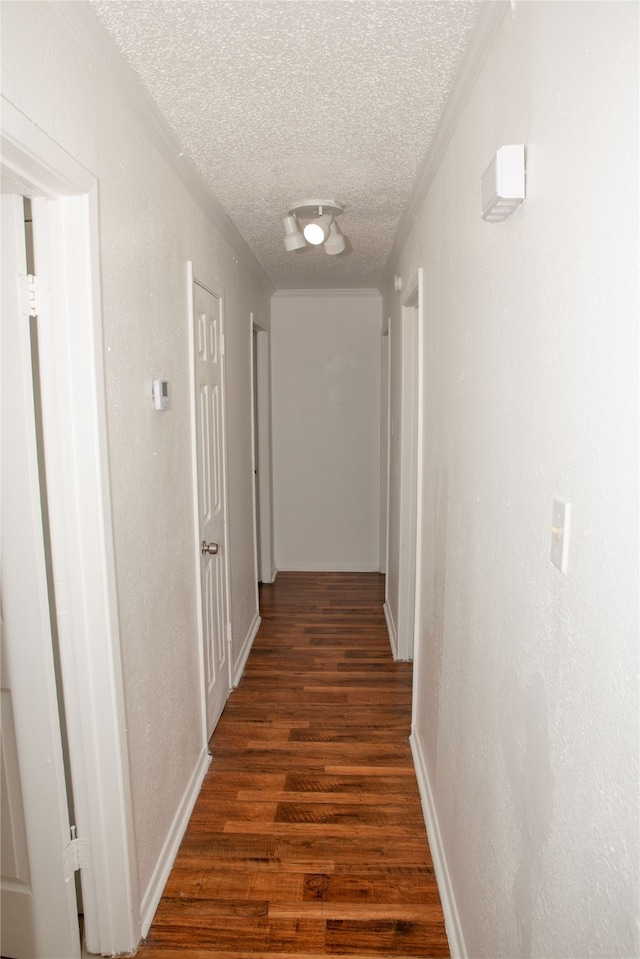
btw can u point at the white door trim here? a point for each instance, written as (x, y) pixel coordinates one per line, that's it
(76, 455)
(262, 406)
(421, 467)
(411, 324)
(196, 275)
(385, 441)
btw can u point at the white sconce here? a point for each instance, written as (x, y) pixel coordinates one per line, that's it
(503, 183)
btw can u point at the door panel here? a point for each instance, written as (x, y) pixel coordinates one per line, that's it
(39, 910)
(211, 498)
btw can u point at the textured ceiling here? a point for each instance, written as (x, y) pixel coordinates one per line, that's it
(274, 101)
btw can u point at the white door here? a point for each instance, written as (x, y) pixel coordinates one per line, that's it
(39, 910)
(208, 342)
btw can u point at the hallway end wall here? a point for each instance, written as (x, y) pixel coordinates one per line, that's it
(526, 690)
(325, 383)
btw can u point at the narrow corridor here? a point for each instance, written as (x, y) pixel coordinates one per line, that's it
(308, 837)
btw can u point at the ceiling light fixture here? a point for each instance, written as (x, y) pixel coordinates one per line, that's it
(321, 230)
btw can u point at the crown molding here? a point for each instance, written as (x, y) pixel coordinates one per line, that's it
(490, 18)
(369, 292)
(83, 24)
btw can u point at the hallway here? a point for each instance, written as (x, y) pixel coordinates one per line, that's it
(308, 838)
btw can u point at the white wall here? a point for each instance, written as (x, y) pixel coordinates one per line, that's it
(325, 356)
(150, 226)
(526, 732)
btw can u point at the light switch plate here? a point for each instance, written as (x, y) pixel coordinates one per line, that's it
(560, 533)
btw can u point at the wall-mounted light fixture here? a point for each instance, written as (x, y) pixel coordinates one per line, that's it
(503, 183)
(321, 230)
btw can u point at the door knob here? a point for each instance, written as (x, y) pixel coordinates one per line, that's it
(211, 548)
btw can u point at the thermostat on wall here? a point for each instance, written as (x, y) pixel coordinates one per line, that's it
(160, 393)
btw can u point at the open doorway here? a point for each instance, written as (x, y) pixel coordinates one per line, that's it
(66, 299)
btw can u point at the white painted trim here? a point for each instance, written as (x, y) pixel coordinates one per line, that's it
(241, 662)
(76, 451)
(82, 22)
(254, 463)
(490, 17)
(262, 408)
(421, 467)
(279, 294)
(384, 448)
(153, 893)
(443, 877)
(328, 567)
(408, 476)
(391, 629)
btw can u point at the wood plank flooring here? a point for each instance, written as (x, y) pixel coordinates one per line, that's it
(308, 838)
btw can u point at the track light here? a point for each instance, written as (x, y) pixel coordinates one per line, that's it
(293, 239)
(321, 230)
(335, 241)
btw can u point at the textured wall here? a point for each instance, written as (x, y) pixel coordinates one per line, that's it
(527, 693)
(149, 228)
(325, 356)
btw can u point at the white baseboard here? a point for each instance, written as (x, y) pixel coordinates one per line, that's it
(241, 662)
(445, 887)
(391, 629)
(171, 844)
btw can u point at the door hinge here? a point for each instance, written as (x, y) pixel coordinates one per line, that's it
(33, 292)
(229, 633)
(77, 855)
(222, 344)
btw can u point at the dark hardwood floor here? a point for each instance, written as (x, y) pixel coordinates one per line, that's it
(308, 838)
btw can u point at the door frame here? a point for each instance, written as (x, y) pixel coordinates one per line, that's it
(79, 498)
(385, 435)
(261, 431)
(411, 468)
(197, 276)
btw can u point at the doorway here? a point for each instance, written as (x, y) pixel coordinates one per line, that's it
(67, 302)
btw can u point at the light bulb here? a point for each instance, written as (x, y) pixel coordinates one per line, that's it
(318, 231)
